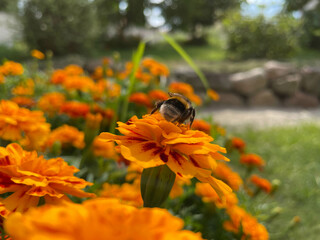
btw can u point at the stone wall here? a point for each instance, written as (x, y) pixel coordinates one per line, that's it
(275, 84)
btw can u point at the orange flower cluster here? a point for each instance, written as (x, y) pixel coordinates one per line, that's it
(213, 94)
(140, 98)
(66, 135)
(252, 160)
(242, 221)
(186, 90)
(224, 172)
(75, 109)
(37, 54)
(51, 103)
(103, 149)
(158, 95)
(155, 68)
(127, 193)
(81, 83)
(153, 141)
(101, 72)
(29, 176)
(97, 219)
(238, 143)
(26, 88)
(59, 76)
(261, 183)
(11, 68)
(20, 123)
(201, 125)
(23, 101)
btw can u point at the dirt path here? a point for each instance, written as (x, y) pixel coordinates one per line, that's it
(262, 117)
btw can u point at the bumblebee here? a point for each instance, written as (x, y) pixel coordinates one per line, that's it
(177, 108)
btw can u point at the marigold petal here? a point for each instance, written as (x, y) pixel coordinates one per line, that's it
(31, 181)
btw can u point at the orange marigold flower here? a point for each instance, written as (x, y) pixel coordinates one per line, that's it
(23, 101)
(11, 68)
(201, 125)
(104, 149)
(113, 89)
(186, 90)
(261, 183)
(205, 191)
(37, 54)
(127, 193)
(81, 83)
(26, 88)
(101, 218)
(66, 135)
(252, 159)
(153, 141)
(143, 77)
(140, 99)
(155, 68)
(251, 228)
(238, 143)
(213, 94)
(51, 102)
(75, 109)
(29, 176)
(93, 120)
(17, 122)
(1, 77)
(224, 172)
(58, 76)
(73, 69)
(105, 113)
(158, 95)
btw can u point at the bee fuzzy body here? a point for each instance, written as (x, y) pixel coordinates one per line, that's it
(177, 108)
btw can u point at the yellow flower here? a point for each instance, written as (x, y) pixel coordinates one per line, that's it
(66, 135)
(250, 227)
(213, 94)
(104, 149)
(17, 122)
(37, 54)
(11, 68)
(98, 218)
(51, 102)
(29, 176)
(153, 141)
(26, 88)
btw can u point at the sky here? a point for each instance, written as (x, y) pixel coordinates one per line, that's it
(268, 8)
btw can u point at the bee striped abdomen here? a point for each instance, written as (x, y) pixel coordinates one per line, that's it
(172, 109)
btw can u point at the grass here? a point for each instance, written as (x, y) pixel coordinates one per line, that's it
(292, 156)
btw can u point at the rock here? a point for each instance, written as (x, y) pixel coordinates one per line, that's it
(228, 99)
(311, 80)
(287, 85)
(275, 69)
(300, 99)
(247, 83)
(264, 98)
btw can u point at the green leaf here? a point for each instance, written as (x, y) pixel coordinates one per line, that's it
(156, 184)
(187, 58)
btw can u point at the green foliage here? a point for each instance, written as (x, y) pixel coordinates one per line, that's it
(262, 38)
(59, 25)
(191, 16)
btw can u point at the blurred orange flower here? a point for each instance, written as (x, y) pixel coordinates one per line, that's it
(224, 172)
(155, 68)
(11, 68)
(251, 160)
(51, 103)
(23, 101)
(201, 125)
(205, 191)
(128, 193)
(73, 69)
(29, 176)
(103, 219)
(58, 76)
(81, 83)
(2, 78)
(16, 123)
(140, 98)
(37, 54)
(158, 95)
(25, 88)
(186, 90)
(104, 149)
(213, 94)
(261, 183)
(238, 144)
(240, 220)
(153, 141)
(66, 135)
(75, 109)
(177, 188)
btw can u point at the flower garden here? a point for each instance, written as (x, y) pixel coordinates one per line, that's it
(81, 157)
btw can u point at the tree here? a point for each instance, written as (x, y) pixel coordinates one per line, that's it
(311, 16)
(193, 15)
